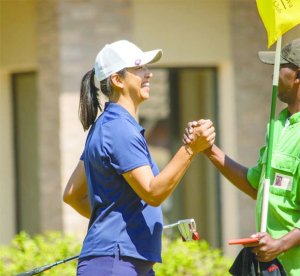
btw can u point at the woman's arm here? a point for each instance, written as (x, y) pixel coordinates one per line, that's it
(76, 192)
(154, 190)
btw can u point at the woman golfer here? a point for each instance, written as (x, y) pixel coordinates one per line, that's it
(116, 183)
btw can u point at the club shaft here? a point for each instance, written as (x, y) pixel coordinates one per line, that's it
(171, 225)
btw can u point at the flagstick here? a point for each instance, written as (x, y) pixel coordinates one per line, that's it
(264, 216)
(263, 226)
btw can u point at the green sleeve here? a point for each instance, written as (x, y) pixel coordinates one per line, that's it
(254, 173)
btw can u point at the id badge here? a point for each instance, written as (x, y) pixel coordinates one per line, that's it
(284, 182)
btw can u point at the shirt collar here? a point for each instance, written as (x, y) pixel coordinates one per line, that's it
(284, 114)
(114, 107)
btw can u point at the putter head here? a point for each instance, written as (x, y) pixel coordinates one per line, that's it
(187, 229)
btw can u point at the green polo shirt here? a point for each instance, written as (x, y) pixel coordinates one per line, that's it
(284, 197)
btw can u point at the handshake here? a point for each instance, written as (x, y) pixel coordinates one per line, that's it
(198, 136)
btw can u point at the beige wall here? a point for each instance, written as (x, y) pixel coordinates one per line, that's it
(189, 32)
(72, 140)
(17, 54)
(291, 35)
(18, 34)
(49, 89)
(228, 142)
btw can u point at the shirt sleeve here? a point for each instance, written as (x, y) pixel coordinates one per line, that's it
(125, 146)
(81, 157)
(254, 173)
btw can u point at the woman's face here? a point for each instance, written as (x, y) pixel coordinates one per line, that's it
(137, 83)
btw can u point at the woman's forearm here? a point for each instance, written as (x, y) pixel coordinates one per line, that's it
(154, 190)
(76, 191)
(83, 206)
(166, 181)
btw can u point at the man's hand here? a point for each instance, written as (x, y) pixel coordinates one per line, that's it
(199, 135)
(267, 248)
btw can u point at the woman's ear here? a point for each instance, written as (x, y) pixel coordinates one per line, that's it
(117, 80)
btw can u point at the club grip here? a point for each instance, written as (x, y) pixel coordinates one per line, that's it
(45, 267)
(35, 270)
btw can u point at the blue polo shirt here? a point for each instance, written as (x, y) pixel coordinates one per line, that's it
(115, 145)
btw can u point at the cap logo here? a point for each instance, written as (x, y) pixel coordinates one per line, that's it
(138, 62)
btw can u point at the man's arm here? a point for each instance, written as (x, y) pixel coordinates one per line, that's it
(234, 172)
(267, 248)
(76, 192)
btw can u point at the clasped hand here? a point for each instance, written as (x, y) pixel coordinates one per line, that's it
(199, 135)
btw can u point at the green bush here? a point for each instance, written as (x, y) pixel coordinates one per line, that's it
(191, 259)
(25, 254)
(180, 259)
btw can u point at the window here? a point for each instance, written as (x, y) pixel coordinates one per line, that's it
(26, 152)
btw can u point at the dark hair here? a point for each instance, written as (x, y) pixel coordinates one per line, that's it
(89, 97)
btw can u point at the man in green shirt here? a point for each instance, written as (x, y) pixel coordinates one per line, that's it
(282, 239)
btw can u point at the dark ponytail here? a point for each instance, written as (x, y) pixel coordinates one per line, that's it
(89, 101)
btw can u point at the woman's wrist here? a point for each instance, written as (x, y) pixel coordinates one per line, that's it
(189, 150)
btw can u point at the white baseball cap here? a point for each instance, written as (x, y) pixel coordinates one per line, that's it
(122, 54)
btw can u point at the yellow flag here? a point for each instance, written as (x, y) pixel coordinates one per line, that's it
(278, 16)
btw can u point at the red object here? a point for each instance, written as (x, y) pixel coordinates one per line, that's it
(243, 241)
(272, 268)
(183, 239)
(195, 236)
